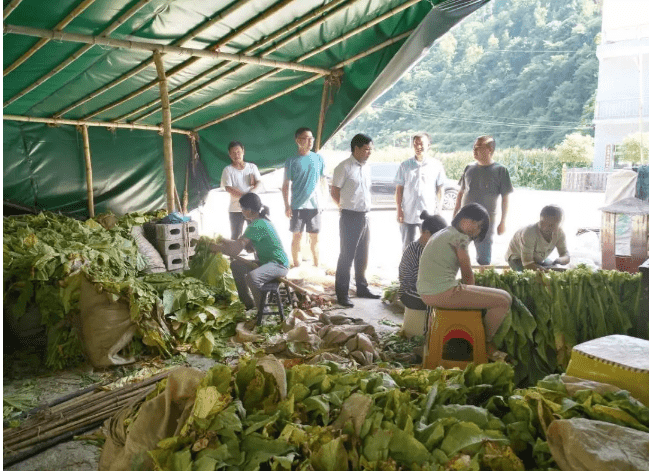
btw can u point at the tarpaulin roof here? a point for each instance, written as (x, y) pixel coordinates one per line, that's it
(247, 70)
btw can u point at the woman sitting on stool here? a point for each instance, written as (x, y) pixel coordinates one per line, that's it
(447, 252)
(409, 266)
(260, 236)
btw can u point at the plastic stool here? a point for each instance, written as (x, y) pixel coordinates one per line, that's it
(414, 322)
(462, 329)
(268, 291)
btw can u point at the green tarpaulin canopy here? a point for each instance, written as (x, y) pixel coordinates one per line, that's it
(247, 70)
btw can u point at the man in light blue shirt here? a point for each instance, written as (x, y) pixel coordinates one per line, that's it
(420, 183)
(302, 176)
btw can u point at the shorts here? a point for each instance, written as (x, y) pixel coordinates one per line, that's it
(305, 218)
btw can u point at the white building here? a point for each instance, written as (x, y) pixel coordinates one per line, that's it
(623, 86)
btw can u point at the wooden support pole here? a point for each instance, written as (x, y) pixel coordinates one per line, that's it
(147, 46)
(166, 132)
(86, 153)
(113, 26)
(318, 12)
(9, 8)
(62, 24)
(321, 117)
(337, 68)
(76, 122)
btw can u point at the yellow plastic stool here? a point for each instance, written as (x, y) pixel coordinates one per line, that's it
(619, 360)
(450, 324)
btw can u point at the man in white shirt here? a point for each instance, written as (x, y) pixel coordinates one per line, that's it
(351, 192)
(420, 185)
(238, 179)
(531, 245)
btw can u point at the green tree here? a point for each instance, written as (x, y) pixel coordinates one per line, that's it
(631, 147)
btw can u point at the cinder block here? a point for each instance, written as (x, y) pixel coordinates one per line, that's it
(175, 231)
(175, 260)
(176, 245)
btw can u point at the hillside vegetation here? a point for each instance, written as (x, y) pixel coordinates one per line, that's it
(524, 71)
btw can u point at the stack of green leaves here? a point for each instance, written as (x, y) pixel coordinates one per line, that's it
(46, 255)
(332, 419)
(554, 311)
(42, 257)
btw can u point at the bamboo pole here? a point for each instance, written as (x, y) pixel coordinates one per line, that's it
(321, 117)
(9, 8)
(151, 47)
(166, 134)
(62, 24)
(313, 78)
(76, 122)
(77, 54)
(86, 153)
(338, 66)
(180, 67)
(148, 62)
(251, 49)
(304, 57)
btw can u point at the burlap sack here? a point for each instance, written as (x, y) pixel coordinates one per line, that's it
(105, 327)
(162, 417)
(589, 445)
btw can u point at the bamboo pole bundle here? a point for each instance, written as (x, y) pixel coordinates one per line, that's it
(338, 66)
(62, 24)
(192, 34)
(180, 67)
(76, 122)
(249, 50)
(88, 160)
(64, 419)
(303, 57)
(9, 8)
(166, 134)
(113, 26)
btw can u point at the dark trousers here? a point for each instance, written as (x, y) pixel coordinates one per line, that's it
(236, 225)
(354, 247)
(413, 302)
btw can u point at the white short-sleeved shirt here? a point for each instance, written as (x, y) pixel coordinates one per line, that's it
(354, 181)
(438, 265)
(239, 179)
(420, 181)
(529, 246)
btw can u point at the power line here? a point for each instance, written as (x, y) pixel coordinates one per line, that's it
(474, 121)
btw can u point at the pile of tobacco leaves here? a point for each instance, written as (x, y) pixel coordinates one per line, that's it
(334, 419)
(553, 311)
(45, 256)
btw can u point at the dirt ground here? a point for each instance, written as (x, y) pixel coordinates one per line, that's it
(581, 211)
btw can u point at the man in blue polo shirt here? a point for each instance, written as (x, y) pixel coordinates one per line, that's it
(302, 175)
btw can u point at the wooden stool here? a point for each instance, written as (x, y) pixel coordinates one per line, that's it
(269, 291)
(458, 330)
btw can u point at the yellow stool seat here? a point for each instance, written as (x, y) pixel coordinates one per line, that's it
(458, 328)
(414, 322)
(619, 360)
